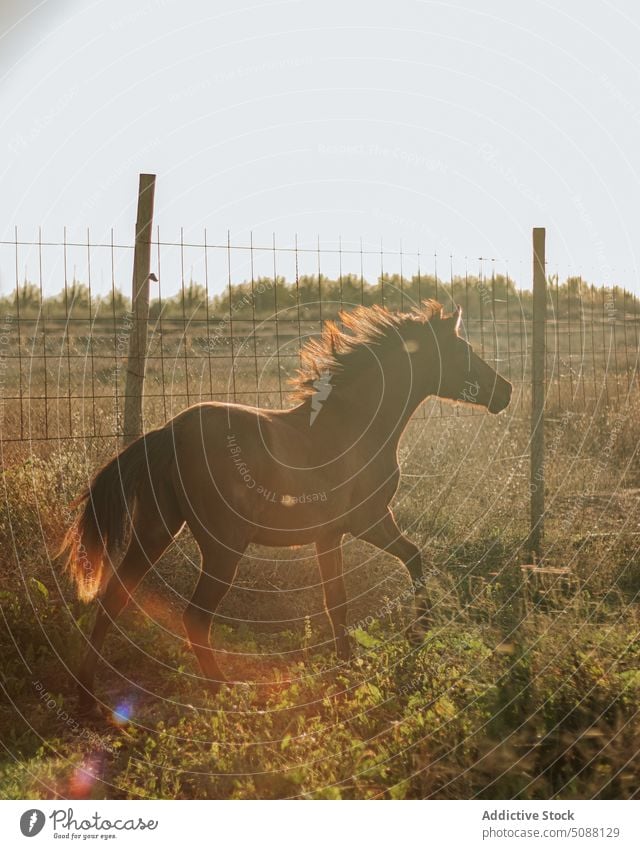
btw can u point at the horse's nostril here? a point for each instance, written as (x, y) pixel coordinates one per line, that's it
(501, 398)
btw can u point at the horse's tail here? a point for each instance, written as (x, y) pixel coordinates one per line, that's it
(103, 525)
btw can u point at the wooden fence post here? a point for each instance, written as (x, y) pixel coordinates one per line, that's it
(538, 388)
(140, 311)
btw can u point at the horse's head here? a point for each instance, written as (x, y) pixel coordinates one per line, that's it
(460, 375)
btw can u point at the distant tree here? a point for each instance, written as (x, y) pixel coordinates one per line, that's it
(75, 301)
(115, 303)
(26, 299)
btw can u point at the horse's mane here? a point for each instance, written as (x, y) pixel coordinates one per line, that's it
(336, 356)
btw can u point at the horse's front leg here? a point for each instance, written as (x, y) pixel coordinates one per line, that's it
(387, 536)
(335, 597)
(218, 570)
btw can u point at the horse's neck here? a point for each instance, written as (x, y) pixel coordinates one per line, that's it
(368, 413)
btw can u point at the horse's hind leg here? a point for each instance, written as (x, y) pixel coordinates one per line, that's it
(386, 535)
(219, 566)
(152, 533)
(335, 596)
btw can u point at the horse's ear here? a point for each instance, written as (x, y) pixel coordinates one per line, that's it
(457, 315)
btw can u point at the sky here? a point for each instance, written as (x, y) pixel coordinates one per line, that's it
(445, 128)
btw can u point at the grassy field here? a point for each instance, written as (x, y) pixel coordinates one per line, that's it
(523, 687)
(63, 360)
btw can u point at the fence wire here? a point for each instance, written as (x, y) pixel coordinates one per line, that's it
(228, 321)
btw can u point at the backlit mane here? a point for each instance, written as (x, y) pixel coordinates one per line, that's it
(338, 355)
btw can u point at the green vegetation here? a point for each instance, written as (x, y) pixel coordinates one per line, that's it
(523, 687)
(319, 295)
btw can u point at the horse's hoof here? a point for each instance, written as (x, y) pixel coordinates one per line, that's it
(417, 636)
(214, 685)
(343, 650)
(343, 653)
(89, 710)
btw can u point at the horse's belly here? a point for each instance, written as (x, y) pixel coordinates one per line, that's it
(295, 517)
(274, 537)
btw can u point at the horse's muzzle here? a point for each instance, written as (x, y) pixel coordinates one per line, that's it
(500, 397)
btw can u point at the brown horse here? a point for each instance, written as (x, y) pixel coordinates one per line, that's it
(239, 475)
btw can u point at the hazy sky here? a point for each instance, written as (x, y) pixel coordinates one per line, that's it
(453, 126)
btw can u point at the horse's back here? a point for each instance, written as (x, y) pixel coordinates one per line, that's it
(211, 429)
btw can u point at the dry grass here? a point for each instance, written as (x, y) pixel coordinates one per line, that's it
(521, 689)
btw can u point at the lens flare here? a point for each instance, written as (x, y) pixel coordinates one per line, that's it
(84, 777)
(122, 713)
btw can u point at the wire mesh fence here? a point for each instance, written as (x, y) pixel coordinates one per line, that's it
(228, 320)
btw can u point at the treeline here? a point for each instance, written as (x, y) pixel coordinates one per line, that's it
(313, 297)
